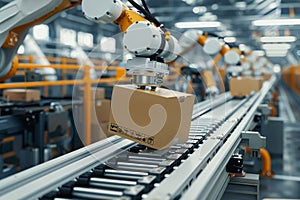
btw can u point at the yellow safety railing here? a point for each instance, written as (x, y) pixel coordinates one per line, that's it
(86, 81)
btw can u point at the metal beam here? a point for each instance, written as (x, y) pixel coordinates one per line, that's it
(291, 59)
(289, 5)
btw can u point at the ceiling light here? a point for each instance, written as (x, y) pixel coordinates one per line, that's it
(208, 17)
(276, 46)
(230, 39)
(277, 52)
(277, 68)
(215, 6)
(241, 5)
(278, 39)
(242, 47)
(258, 53)
(199, 9)
(276, 55)
(276, 22)
(276, 49)
(189, 1)
(226, 33)
(196, 10)
(213, 24)
(208, 14)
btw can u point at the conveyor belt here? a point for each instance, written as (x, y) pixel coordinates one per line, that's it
(207, 184)
(136, 172)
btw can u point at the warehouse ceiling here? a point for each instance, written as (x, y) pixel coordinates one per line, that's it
(235, 16)
(236, 19)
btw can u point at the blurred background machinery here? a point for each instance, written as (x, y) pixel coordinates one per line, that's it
(228, 50)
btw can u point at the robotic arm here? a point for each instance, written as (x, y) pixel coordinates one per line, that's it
(144, 37)
(150, 43)
(15, 20)
(211, 45)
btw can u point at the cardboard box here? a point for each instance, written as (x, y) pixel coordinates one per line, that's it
(156, 119)
(244, 86)
(21, 95)
(102, 110)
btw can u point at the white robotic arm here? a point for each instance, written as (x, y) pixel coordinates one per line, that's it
(151, 45)
(16, 18)
(211, 45)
